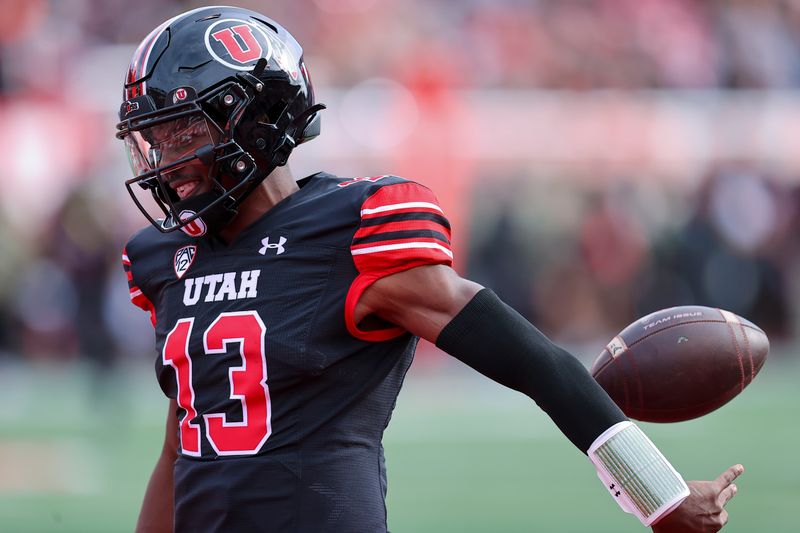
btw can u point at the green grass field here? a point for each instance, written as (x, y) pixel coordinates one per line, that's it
(463, 455)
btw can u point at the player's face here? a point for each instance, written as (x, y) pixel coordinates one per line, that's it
(172, 146)
(189, 179)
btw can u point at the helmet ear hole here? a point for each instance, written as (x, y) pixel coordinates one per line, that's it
(275, 112)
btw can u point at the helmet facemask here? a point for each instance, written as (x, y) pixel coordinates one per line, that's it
(185, 143)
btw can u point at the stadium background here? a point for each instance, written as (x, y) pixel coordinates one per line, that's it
(599, 160)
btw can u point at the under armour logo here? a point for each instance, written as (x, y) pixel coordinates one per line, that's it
(266, 245)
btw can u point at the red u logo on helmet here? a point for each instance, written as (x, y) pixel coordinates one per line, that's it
(252, 49)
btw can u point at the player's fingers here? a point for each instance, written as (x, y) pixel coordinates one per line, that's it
(726, 494)
(727, 477)
(723, 518)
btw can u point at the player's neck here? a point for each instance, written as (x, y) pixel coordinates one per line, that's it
(277, 186)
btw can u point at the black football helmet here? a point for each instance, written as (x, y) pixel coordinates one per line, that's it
(216, 90)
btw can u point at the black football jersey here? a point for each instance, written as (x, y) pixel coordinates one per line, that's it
(282, 398)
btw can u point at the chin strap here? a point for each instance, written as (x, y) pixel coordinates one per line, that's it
(212, 220)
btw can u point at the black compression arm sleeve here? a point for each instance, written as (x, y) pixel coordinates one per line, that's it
(498, 342)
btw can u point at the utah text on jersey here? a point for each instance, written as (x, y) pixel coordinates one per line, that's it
(219, 287)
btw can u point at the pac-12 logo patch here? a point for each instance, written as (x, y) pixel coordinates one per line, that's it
(195, 228)
(237, 44)
(184, 258)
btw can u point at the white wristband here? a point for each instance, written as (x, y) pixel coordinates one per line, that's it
(636, 473)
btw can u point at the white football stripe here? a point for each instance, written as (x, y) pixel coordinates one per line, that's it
(401, 246)
(729, 317)
(396, 207)
(616, 347)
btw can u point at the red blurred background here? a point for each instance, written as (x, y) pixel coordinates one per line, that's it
(599, 160)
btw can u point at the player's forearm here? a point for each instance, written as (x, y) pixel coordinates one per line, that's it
(156, 515)
(496, 341)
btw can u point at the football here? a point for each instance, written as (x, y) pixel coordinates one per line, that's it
(680, 363)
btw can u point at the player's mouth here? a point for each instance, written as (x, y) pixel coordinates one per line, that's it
(185, 187)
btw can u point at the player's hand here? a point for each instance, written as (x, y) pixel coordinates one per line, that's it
(704, 509)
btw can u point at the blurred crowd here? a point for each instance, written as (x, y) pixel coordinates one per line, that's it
(582, 264)
(564, 44)
(580, 259)
(574, 44)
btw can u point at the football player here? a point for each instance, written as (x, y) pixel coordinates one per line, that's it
(286, 313)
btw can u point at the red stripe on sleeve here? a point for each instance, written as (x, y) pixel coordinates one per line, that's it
(138, 298)
(141, 301)
(395, 255)
(406, 225)
(380, 257)
(393, 208)
(399, 194)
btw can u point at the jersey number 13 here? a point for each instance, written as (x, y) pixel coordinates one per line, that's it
(248, 384)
